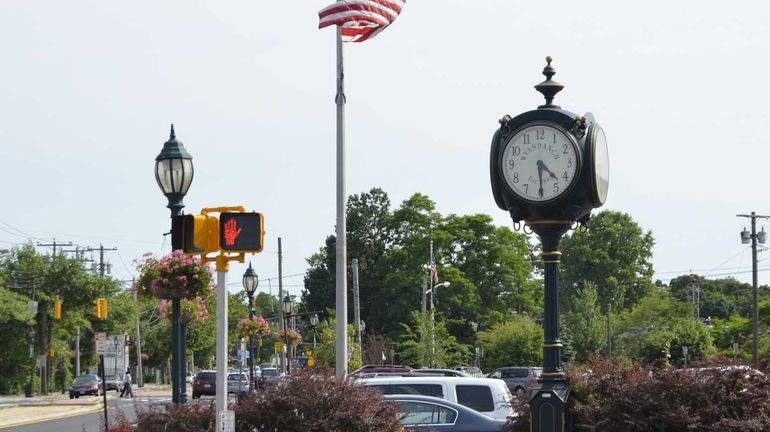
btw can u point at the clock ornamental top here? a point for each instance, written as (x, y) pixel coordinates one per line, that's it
(549, 88)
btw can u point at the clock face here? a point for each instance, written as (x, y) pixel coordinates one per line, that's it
(601, 165)
(540, 162)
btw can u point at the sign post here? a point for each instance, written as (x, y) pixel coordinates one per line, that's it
(102, 347)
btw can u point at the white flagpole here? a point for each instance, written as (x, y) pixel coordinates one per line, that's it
(341, 275)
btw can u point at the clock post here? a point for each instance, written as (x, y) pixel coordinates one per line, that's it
(549, 168)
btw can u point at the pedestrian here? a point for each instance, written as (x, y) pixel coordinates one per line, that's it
(127, 390)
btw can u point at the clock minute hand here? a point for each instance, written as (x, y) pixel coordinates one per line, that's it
(540, 167)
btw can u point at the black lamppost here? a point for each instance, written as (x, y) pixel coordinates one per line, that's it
(174, 174)
(250, 283)
(287, 310)
(314, 324)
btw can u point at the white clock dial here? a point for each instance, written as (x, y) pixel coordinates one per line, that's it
(601, 168)
(540, 162)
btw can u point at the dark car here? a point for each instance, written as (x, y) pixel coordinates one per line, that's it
(113, 382)
(517, 378)
(85, 385)
(204, 383)
(418, 413)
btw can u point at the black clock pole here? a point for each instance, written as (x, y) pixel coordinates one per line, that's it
(548, 400)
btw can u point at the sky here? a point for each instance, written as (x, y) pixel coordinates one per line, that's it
(89, 88)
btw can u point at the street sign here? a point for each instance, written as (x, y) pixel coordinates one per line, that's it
(279, 346)
(101, 343)
(226, 421)
(41, 361)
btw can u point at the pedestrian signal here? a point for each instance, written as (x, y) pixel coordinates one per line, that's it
(57, 309)
(197, 233)
(241, 232)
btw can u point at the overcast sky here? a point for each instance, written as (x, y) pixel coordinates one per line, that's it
(88, 90)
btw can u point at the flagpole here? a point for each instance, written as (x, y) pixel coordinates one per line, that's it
(341, 275)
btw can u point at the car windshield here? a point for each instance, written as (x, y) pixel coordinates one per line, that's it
(84, 379)
(236, 377)
(206, 376)
(270, 372)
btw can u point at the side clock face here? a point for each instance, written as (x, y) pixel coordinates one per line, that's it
(601, 164)
(540, 162)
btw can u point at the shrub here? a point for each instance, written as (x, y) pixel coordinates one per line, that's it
(613, 397)
(313, 402)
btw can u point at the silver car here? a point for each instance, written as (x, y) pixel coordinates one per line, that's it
(237, 383)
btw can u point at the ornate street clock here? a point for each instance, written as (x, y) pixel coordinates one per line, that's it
(549, 162)
(549, 168)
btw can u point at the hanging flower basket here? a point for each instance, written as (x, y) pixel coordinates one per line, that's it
(193, 311)
(256, 326)
(176, 275)
(290, 336)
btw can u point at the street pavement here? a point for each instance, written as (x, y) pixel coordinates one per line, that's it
(18, 410)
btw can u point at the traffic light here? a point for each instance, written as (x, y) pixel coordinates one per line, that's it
(57, 309)
(241, 232)
(198, 233)
(100, 308)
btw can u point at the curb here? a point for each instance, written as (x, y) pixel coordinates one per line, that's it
(45, 417)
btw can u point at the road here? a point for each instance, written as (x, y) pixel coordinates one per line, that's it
(91, 422)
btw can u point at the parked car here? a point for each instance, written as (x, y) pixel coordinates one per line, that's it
(237, 383)
(418, 412)
(490, 397)
(441, 372)
(473, 371)
(113, 382)
(369, 369)
(189, 377)
(517, 378)
(85, 385)
(269, 374)
(204, 383)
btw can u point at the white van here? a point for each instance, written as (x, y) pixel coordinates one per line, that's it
(488, 396)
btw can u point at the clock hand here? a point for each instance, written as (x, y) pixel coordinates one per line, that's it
(549, 171)
(540, 167)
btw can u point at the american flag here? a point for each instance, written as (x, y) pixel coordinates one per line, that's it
(360, 20)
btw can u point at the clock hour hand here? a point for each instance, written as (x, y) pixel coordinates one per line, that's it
(540, 167)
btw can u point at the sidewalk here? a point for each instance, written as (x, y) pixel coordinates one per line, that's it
(16, 410)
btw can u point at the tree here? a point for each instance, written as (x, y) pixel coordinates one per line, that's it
(429, 344)
(584, 323)
(326, 347)
(614, 254)
(517, 342)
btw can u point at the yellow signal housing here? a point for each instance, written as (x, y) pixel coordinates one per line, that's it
(51, 353)
(200, 233)
(97, 309)
(57, 309)
(103, 308)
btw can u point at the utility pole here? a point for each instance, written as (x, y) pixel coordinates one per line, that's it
(356, 304)
(280, 299)
(47, 330)
(138, 344)
(762, 237)
(609, 331)
(102, 266)
(694, 287)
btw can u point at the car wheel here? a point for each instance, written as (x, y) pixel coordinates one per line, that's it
(72, 396)
(196, 396)
(77, 396)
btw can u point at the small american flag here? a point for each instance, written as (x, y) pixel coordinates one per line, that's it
(433, 270)
(360, 20)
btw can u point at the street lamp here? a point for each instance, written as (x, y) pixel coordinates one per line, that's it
(432, 293)
(287, 310)
(174, 174)
(314, 324)
(753, 237)
(250, 283)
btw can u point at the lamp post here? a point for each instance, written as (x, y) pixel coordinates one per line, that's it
(753, 237)
(287, 310)
(250, 283)
(314, 324)
(475, 327)
(432, 292)
(174, 174)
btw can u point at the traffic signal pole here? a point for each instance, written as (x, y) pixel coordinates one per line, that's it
(223, 266)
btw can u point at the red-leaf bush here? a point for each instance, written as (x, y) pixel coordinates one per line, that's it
(609, 396)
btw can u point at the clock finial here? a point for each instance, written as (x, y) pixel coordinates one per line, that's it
(549, 88)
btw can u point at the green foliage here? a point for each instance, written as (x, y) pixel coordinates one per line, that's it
(427, 345)
(584, 323)
(326, 346)
(518, 342)
(14, 357)
(614, 254)
(719, 298)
